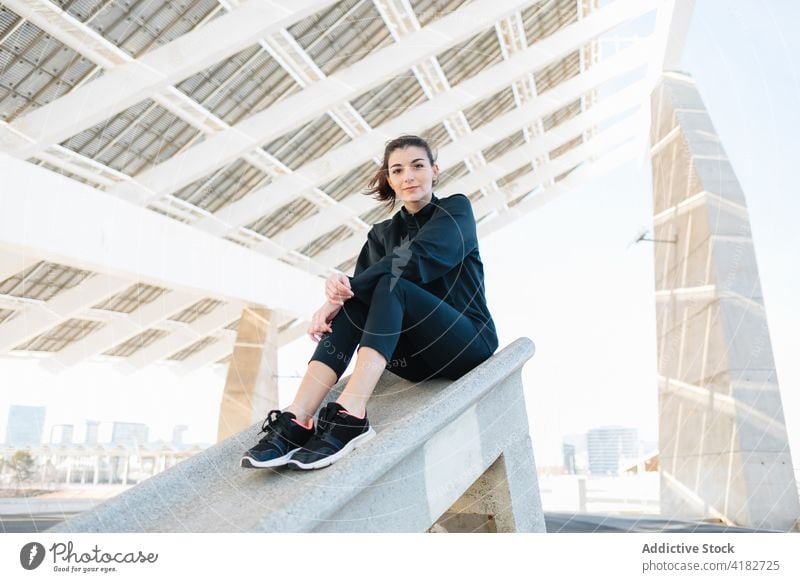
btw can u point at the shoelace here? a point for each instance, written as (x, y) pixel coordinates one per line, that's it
(325, 422)
(270, 424)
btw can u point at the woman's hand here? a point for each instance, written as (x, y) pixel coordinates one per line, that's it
(321, 320)
(337, 289)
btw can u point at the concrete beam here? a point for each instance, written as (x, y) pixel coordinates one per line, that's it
(41, 210)
(36, 319)
(425, 457)
(182, 337)
(120, 330)
(12, 263)
(128, 83)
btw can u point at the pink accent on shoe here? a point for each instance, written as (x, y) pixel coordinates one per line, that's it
(307, 425)
(353, 415)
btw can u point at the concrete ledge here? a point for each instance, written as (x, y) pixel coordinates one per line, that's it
(439, 443)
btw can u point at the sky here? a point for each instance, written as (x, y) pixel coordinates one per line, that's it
(580, 292)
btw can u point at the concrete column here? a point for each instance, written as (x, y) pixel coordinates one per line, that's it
(488, 496)
(96, 479)
(251, 387)
(723, 447)
(125, 469)
(505, 489)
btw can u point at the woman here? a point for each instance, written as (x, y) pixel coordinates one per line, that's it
(415, 305)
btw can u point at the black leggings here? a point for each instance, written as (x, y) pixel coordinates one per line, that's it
(420, 335)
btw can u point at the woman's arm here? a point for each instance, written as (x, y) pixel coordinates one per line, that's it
(441, 244)
(371, 253)
(337, 287)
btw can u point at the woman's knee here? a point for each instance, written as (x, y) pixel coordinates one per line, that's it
(390, 283)
(354, 312)
(384, 283)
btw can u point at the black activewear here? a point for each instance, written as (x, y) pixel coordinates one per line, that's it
(422, 304)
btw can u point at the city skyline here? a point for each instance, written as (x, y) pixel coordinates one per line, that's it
(86, 431)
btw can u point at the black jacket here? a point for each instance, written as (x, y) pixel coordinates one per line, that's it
(436, 248)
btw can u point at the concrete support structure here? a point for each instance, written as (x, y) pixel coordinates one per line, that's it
(440, 445)
(723, 445)
(251, 387)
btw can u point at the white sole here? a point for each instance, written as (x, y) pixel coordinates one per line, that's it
(352, 445)
(250, 463)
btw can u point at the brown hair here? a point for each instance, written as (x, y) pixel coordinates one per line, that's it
(379, 184)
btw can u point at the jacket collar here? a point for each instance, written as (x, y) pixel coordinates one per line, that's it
(424, 213)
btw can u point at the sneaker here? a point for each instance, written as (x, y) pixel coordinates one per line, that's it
(285, 436)
(338, 433)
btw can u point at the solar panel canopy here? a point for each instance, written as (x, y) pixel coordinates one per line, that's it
(229, 143)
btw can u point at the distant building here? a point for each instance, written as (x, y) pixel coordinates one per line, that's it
(609, 447)
(61, 434)
(177, 434)
(129, 433)
(570, 467)
(90, 440)
(25, 425)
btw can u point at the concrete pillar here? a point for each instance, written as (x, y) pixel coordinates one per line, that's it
(722, 436)
(251, 386)
(489, 496)
(504, 489)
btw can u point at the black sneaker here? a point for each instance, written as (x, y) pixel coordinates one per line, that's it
(337, 434)
(283, 439)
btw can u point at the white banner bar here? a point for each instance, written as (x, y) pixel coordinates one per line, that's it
(525, 557)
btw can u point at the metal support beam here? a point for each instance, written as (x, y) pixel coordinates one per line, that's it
(209, 354)
(131, 81)
(350, 155)
(13, 263)
(120, 330)
(586, 172)
(41, 209)
(290, 113)
(36, 319)
(493, 132)
(182, 337)
(607, 139)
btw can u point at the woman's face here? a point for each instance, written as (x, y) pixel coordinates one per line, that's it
(411, 174)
